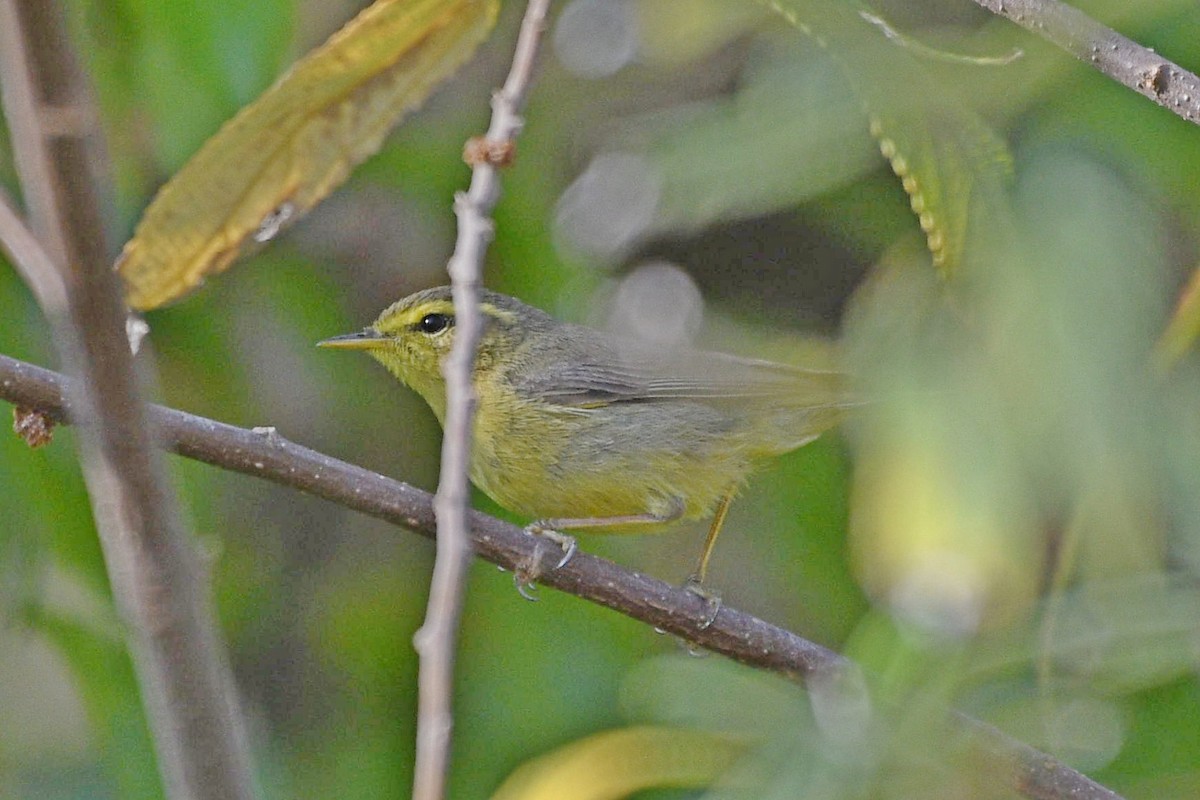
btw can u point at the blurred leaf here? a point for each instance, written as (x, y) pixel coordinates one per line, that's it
(682, 691)
(949, 161)
(1183, 328)
(674, 32)
(615, 764)
(1124, 636)
(944, 157)
(1129, 635)
(806, 141)
(941, 542)
(283, 153)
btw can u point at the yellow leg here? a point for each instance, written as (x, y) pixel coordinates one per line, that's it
(550, 528)
(673, 513)
(710, 541)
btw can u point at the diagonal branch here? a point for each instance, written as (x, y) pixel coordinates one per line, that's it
(155, 572)
(29, 258)
(672, 609)
(1120, 58)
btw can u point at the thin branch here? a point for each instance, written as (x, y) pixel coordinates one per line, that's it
(436, 642)
(1122, 59)
(675, 610)
(31, 148)
(156, 575)
(27, 256)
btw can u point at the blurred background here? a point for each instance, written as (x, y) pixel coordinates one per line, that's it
(1012, 527)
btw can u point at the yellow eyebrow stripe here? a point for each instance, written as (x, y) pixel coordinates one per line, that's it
(497, 312)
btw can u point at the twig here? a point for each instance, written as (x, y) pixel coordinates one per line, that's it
(1121, 59)
(155, 573)
(27, 256)
(675, 610)
(31, 148)
(924, 50)
(436, 641)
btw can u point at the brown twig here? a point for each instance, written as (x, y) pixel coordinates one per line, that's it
(675, 610)
(24, 250)
(155, 573)
(1120, 58)
(436, 642)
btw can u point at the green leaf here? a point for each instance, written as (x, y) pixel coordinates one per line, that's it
(949, 161)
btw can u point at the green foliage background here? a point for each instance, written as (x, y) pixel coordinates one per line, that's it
(1023, 455)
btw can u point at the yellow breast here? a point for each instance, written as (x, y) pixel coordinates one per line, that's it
(543, 461)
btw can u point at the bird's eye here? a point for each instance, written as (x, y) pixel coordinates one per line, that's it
(433, 323)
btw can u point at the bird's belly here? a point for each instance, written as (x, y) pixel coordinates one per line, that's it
(596, 466)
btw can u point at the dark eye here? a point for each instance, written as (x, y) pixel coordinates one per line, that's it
(433, 323)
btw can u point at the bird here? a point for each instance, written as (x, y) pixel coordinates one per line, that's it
(587, 430)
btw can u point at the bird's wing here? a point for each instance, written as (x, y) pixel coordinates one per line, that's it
(634, 373)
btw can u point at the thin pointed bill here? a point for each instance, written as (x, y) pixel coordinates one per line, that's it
(366, 339)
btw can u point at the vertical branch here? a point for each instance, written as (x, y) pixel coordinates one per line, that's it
(155, 573)
(437, 639)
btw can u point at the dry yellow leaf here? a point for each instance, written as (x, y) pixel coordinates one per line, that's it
(615, 764)
(285, 151)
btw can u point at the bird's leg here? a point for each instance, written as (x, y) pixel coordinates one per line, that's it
(548, 529)
(552, 529)
(695, 581)
(710, 541)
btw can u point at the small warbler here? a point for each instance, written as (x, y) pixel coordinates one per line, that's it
(582, 429)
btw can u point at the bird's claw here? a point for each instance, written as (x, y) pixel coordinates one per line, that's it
(527, 573)
(569, 548)
(695, 585)
(525, 587)
(567, 543)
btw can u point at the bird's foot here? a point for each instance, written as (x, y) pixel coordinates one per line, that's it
(712, 600)
(565, 542)
(526, 575)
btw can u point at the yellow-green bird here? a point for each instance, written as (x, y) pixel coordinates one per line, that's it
(582, 429)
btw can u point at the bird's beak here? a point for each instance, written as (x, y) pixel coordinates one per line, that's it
(366, 339)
